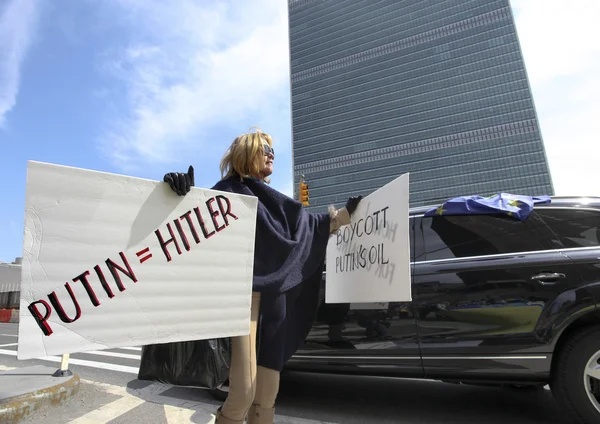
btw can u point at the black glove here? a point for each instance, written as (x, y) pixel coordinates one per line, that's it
(180, 182)
(352, 203)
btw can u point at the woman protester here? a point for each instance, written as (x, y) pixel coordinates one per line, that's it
(290, 247)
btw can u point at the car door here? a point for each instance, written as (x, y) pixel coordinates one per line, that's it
(578, 230)
(481, 283)
(372, 338)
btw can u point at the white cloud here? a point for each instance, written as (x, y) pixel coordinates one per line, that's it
(561, 47)
(18, 19)
(190, 68)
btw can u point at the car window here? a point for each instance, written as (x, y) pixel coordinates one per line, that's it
(448, 237)
(575, 228)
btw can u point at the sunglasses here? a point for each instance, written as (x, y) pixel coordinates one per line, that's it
(268, 150)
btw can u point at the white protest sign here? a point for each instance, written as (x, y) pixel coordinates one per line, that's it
(369, 260)
(112, 261)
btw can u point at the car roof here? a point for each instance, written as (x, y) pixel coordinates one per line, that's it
(560, 201)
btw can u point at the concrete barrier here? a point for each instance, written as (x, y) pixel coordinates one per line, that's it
(5, 315)
(14, 316)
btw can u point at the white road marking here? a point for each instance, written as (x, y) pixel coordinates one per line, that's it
(109, 412)
(5, 368)
(177, 415)
(82, 362)
(111, 354)
(9, 344)
(9, 335)
(139, 349)
(177, 411)
(108, 388)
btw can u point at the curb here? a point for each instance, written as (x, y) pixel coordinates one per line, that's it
(15, 409)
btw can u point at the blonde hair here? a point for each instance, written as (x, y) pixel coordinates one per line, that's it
(244, 158)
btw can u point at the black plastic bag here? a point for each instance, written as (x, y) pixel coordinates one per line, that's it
(198, 363)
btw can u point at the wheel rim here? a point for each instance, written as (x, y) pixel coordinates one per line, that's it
(591, 378)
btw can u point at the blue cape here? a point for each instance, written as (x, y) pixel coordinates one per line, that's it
(290, 247)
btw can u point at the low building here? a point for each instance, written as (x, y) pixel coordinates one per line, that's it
(10, 284)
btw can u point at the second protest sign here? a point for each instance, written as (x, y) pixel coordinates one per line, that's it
(369, 260)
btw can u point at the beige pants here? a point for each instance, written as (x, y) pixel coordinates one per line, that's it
(249, 384)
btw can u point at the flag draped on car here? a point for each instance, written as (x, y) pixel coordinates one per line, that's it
(512, 205)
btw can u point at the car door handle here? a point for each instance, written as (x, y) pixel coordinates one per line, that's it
(548, 277)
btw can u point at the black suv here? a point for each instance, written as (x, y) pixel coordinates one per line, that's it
(496, 300)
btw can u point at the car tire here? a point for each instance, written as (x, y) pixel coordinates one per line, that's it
(574, 389)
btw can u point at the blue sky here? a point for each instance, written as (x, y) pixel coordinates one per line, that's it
(142, 87)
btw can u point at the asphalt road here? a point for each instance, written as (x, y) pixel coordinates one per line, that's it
(119, 398)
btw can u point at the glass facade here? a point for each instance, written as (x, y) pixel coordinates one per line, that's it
(436, 88)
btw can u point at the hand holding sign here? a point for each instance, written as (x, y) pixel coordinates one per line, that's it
(180, 182)
(352, 204)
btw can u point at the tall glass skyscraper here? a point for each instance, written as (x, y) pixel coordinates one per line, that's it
(437, 88)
